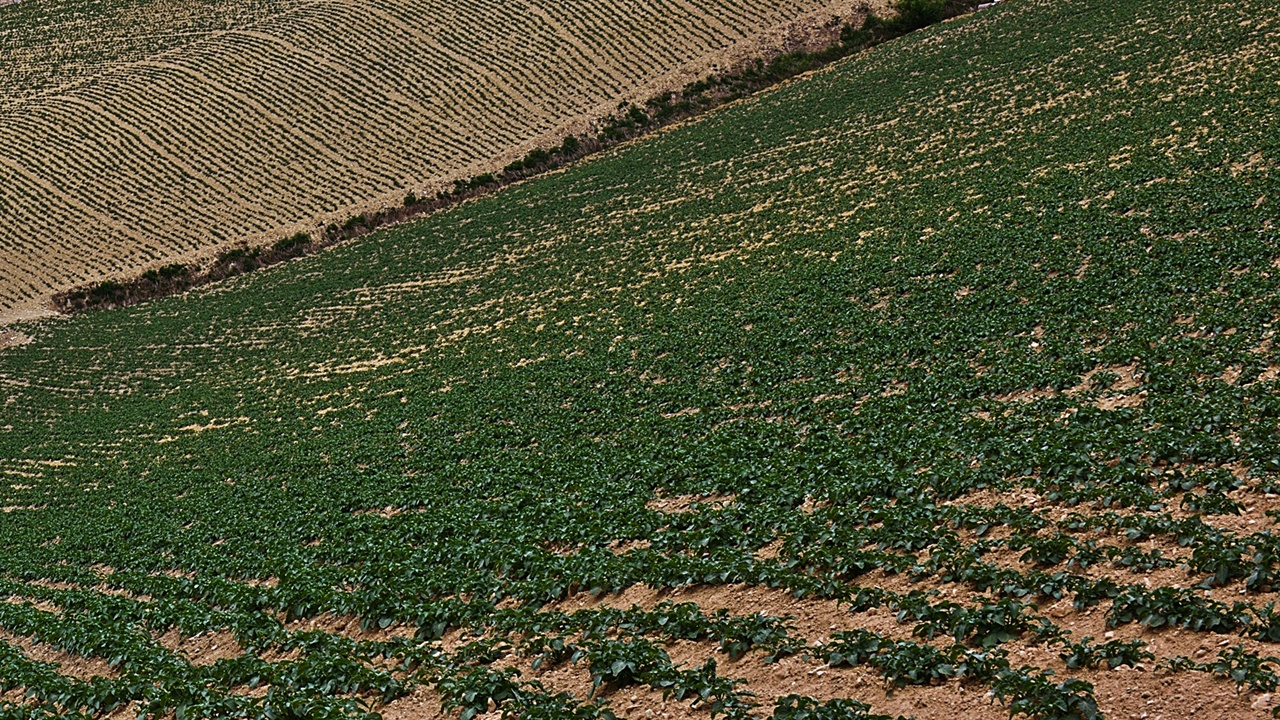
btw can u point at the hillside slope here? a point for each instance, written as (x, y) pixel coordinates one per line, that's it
(961, 353)
(135, 133)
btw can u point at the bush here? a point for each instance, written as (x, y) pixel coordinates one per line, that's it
(916, 14)
(292, 243)
(107, 291)
(172, 271)
(537, 158)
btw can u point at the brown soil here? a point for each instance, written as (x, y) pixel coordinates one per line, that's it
(676, 504)
(1122, 693)
(203, 649)
(12, 338)
(75, 666)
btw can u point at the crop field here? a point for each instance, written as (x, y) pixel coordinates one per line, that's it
(940, 383)
(163, 130)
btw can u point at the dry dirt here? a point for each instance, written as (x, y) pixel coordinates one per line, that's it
(12, 338)
(1141, 692)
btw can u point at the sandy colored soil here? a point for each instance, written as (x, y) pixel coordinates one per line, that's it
(12, 338)
(188, 151)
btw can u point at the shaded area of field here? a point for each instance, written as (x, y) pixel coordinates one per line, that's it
(935, 371)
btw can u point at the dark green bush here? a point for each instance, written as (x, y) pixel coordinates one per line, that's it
(292, 243)
(916, 14)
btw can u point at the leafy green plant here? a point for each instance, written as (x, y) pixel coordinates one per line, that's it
(1035, 695)
(474, 690)
(1247, 669)
(622, 663)
(1175, 607)
(1113, 653)
(799, 707)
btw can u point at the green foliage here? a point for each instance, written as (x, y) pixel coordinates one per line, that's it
(624, 663)
(296, 242)
(916, 14)
(1175, 607)
(1113, 653)
(474, 691)
(836, 332)
(1035, 695)
(903, 662)
(1247, 669)
(798, 707)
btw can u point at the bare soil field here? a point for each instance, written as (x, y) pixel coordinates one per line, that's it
(234, 122)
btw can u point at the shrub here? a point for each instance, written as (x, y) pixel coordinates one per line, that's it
(537, 158)
(169, 272)
(916, 14)
(292, 243)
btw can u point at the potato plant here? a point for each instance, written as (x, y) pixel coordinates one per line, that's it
(930, 346)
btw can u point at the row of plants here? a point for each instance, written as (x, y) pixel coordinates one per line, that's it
(973, 312)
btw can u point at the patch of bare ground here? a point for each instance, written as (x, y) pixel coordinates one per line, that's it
(76, 666)
(1253, 516)
(622, 547)
(627, 702)
(422, 702)
(1025, 396)
(1120, 390)
(349, 626)
(12, 338)
(771, 550)
(203, 649)
(387, 512)
(812, 618)
(41, 605)
(676, 504)
(1270, 374)
(125, 712)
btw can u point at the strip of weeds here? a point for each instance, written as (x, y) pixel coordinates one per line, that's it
(629, 122)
